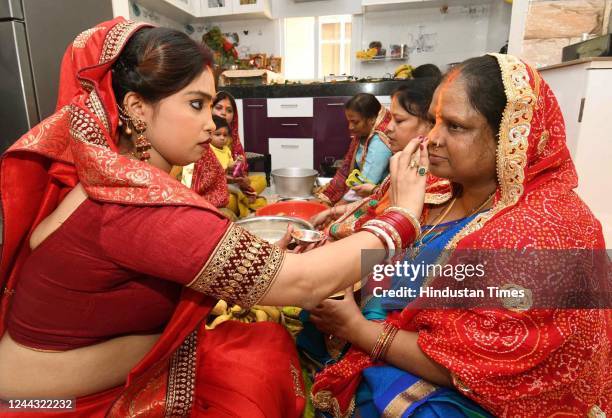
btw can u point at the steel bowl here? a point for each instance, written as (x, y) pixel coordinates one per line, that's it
(307, 236)
(294, 182)
(272, 228)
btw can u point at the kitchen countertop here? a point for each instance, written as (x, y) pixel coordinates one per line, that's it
(342, 88)
(600, 62)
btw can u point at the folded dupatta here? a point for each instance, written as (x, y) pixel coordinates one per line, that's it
(534, 362)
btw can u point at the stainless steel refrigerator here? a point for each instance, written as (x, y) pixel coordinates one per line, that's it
(33, 37)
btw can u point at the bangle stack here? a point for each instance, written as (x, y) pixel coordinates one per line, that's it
(383, 342)
(396, 228)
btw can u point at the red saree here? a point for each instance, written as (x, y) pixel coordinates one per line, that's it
(529, 363)
(209, 179)
(189, 371)
(237, 149)
(336, 188)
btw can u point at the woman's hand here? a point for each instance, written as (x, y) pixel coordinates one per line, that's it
(364, 190)
(322, 218)
(286, 239)
(341, 318)
(244, 182)
(407, 185)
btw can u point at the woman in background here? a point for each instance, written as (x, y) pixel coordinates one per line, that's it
(368, 152)
(244, 194)
(409, 111)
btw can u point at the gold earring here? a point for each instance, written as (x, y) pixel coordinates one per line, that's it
(124, 119)
(142, 143)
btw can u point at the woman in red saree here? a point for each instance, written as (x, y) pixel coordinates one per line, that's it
(368, 151)
(110, 266)
(498, 129)
(243, 190)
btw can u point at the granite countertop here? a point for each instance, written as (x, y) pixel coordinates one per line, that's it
(342, 88)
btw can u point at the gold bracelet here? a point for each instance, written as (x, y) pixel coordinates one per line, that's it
(406, 213)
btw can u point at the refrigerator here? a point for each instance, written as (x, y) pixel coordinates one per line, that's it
(33, 37)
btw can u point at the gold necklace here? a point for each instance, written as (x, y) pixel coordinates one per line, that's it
(420, 238)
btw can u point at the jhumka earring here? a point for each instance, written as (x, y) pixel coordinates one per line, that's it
(142, 143)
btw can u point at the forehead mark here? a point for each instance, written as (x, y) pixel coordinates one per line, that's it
(450, 79)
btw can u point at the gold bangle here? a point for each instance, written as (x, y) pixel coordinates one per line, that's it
(387, 343)
(383, 342)
(406, 213)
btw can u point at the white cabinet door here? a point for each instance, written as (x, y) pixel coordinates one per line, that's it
(249, 6)
(190, 6)
(215, 7)
(291, 152)
(385, 2)
(290, 107)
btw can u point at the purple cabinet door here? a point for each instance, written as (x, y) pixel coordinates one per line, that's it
(289, 127)
(331, 135)
(255, 119)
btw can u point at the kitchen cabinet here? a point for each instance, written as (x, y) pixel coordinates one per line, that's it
(331, 135)
(215, 7)
(291, 152)
(254, 118)
(234, 8)
(582, 88)
(250, 6)
(290, 107)
(190, 6)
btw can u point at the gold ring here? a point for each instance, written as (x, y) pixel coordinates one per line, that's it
(413, 164)
(422, 171)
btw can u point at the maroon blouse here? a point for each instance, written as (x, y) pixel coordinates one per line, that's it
(110, 270)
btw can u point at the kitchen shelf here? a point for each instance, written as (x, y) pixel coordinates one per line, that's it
(383, 59)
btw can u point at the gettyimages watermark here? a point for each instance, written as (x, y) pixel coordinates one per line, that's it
(509, 279)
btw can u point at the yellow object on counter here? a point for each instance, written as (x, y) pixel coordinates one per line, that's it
(356, 179)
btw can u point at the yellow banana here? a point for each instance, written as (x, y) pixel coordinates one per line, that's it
(272, 312)
(260, 315)
(236, 309)
(292, 311)
(218, 320)
(220, 308)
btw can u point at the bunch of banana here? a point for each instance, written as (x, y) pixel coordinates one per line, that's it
(403, 71)
(290, 319)
(367, 54)
(257, 313)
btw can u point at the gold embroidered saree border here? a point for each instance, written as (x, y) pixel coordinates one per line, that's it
(241, 269)
(400, 404)
(181, 378)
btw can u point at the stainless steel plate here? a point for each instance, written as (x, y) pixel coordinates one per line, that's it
(272, 228)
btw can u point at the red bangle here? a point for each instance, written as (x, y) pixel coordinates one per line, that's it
(403, 226)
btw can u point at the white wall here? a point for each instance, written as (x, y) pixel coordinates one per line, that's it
(462, 32)
(288, 8)
(499, 25)
(263, 34)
